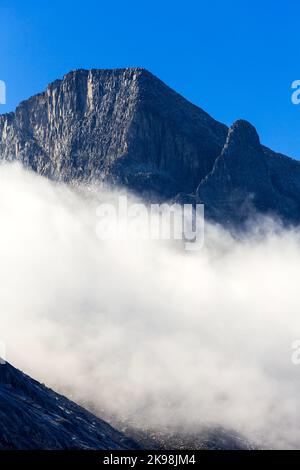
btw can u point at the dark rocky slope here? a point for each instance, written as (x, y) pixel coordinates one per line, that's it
(34, 417)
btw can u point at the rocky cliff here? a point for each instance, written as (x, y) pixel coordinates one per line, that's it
(248, 178)
(127, 127)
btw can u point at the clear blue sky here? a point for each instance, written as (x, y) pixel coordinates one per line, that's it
(234, 58)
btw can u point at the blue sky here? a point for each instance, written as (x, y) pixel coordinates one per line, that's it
(234, 58)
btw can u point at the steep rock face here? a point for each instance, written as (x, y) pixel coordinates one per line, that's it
(34, 417)
(124, 125)
(284, 173)
(247, 178)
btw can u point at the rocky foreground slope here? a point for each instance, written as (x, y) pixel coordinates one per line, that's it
(34, 417)
(125, 126)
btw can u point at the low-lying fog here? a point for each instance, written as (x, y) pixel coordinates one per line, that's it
(142, 330)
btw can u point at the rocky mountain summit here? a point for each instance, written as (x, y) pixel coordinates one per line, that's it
(247, 177)
(127, 127)
(34, 417)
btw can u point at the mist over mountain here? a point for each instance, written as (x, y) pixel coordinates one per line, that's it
(126, 127)
(146, 335)
(35, 417)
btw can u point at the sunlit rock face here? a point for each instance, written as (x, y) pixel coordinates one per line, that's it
(125, 126)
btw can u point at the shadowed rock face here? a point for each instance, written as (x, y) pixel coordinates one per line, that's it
(34, 417)
(125, 126)
(247, 177)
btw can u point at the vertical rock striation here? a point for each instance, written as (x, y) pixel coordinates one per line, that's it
(125, 126)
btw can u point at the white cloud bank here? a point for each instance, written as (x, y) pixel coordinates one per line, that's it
(142, 330)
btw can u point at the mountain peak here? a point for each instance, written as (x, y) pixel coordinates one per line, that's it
(242, 134)
(127, 127)
(129, 71)
(123, 125)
